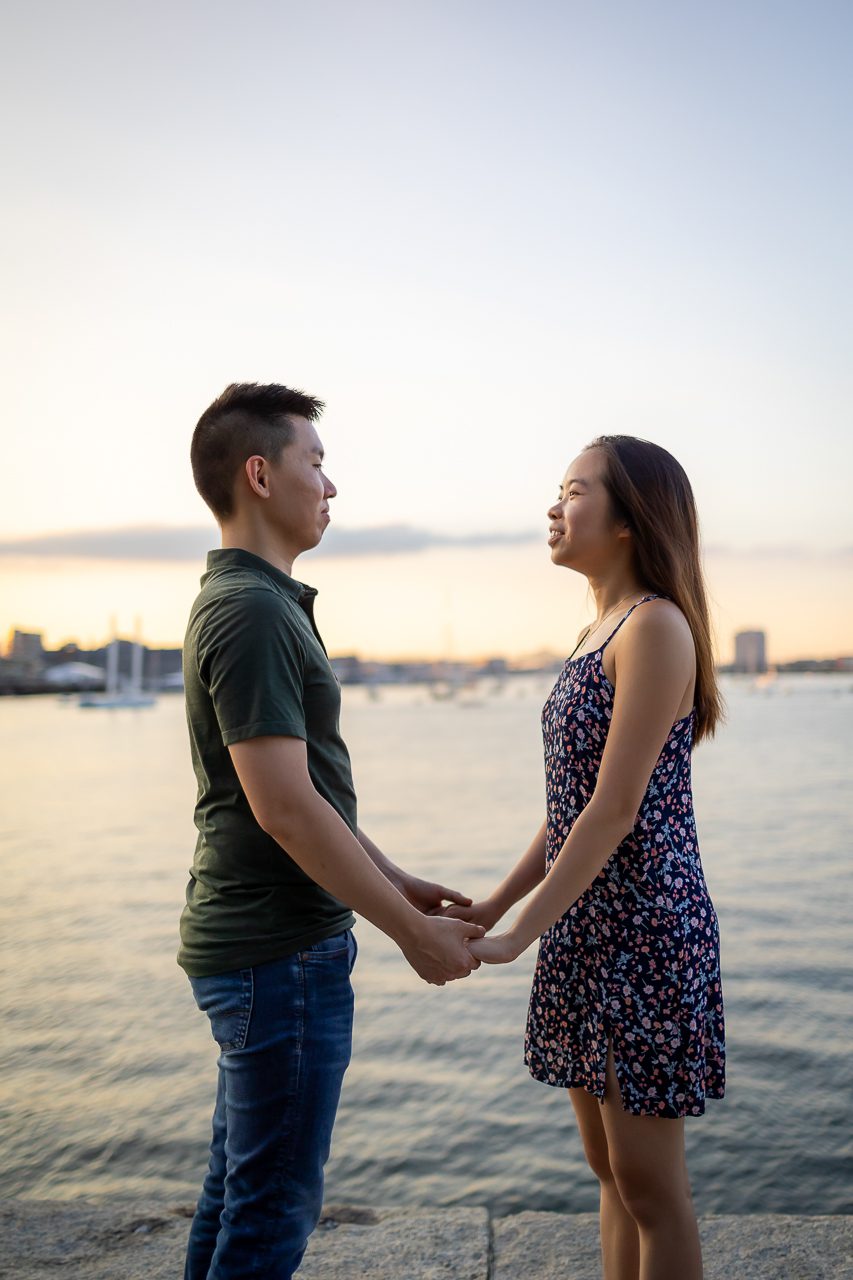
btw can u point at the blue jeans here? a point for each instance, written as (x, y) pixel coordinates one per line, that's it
(285, 1033)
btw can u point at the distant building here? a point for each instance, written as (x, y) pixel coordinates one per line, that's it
(494, 667)
(750, 652)
(162, 669)
(75, 675)
(821, 665)
(348, 669)
(26, 653)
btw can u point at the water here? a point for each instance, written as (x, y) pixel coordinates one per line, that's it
(109, 1071)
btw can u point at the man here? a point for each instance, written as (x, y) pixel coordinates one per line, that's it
(280, 861)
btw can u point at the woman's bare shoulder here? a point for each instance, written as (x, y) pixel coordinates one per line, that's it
(660, 608)
(657, 621)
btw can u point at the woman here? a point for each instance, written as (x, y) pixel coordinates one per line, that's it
(626, 1008)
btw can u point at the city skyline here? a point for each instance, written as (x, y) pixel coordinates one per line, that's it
(749, 652)
(28, 667)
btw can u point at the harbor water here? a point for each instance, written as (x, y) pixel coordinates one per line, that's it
(109, 1070)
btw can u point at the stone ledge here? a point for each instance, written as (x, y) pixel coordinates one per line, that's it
(762, 1246)
(115, 1238)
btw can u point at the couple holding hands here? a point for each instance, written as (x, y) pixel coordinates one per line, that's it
(626, 1009)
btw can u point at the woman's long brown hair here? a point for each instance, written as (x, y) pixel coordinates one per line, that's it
(651, 493)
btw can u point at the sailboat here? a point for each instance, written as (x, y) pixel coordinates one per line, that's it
(116, 694)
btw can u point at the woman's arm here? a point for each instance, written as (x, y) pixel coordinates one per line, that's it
(655, 662)
(525, 875)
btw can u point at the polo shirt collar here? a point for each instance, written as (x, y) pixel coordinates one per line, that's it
(225, 557)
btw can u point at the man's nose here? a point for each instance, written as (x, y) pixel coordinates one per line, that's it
(331, 491)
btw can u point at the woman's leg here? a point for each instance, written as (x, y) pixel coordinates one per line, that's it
(620, 1240)
(647, 1158)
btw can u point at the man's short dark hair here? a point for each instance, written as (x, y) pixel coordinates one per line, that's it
(248, 418)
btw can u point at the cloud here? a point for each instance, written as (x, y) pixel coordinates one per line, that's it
(158, 542)
(142, 542)
(168, 543)
(793, 554)
(402, 539)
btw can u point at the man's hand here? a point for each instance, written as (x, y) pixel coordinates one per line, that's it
(486, 913)
(438, 950)
(428, 897)
(501, 948)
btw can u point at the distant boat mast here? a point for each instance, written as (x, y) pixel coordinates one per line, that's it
(114, 695)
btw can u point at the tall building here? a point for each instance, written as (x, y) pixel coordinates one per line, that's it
(750, 652)
(24, 649)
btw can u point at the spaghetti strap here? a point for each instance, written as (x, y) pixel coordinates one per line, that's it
(656, 596)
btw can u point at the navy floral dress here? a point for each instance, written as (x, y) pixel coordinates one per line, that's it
(635, 962)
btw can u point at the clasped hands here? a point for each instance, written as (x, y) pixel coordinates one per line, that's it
(451, 942)
(498, 948)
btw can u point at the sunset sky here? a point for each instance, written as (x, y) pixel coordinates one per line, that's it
(483, 234)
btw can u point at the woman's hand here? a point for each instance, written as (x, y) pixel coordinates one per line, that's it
(501, 948)
(486, 913)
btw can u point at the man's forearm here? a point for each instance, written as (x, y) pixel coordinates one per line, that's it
(274, 775)
(321, 843)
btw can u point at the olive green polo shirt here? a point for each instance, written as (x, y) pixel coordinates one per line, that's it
(254, 666)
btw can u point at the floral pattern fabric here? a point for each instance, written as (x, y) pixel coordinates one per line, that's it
(635, 961)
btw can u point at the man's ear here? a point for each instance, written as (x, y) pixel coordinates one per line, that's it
(257, 474)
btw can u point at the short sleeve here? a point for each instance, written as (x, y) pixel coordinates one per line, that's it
(252, 661)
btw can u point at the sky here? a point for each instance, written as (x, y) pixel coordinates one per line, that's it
(483, 234)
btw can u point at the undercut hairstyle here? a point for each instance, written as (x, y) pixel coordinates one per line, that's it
(248, 418)
(650, 492)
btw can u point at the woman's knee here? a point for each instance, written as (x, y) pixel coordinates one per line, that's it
(598, 1156)
(593, 1135)
(649, 1198)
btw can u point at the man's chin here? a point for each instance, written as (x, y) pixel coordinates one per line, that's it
(318, 537)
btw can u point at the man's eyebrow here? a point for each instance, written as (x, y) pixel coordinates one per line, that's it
(319, 453)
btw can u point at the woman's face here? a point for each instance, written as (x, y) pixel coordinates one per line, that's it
(583, 532)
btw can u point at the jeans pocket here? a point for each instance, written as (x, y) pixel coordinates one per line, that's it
(328, 948)
(226, 998)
